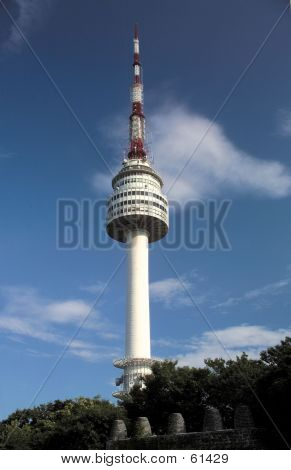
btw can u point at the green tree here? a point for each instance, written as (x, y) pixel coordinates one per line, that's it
(168, 390)
(264, 384)
(188, 390)
(274, 389)
(82, 423)
(232, 382)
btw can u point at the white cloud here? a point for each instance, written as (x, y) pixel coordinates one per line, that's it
(67, 311)
(6, 156)
(270, 289)
(170, 292)
(251, 339)
(170, 343)
(26, 314)
(25, 302)
(173, 292)
(95, 288)
(93, 355)
(284, 123)
(217, 166)
(24, 327)
(30, 15)
(92, 352)
(258, 297)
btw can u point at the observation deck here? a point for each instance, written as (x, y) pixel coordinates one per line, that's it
(137, 202)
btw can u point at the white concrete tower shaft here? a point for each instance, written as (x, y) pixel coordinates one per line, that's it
(138, 311)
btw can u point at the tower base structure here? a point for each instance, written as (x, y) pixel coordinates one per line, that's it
(134, 370)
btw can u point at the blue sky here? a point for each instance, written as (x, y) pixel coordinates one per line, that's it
(193, 53)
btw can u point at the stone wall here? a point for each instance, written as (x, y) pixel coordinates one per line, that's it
(222, 440)
(213, 436)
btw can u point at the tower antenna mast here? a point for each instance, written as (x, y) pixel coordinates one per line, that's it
(136, 119)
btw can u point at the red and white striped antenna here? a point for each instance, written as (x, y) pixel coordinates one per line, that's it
(136, 119)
